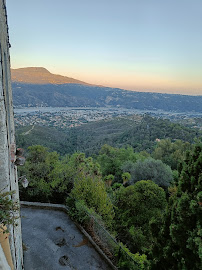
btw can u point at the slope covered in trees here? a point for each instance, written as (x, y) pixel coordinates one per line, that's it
(118, 132)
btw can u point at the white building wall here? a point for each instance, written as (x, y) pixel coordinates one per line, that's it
(8, 171)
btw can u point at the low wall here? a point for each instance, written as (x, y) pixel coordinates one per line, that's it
(60, 207)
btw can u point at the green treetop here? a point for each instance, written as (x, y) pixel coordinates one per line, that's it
(180, 243)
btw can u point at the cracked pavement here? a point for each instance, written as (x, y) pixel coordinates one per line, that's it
(53, 242)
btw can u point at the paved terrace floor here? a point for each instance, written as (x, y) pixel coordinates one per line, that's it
(53, 242)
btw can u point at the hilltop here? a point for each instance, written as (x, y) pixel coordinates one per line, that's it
(40, 75)
(36, 86)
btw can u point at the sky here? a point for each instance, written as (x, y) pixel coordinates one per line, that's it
(141, 45)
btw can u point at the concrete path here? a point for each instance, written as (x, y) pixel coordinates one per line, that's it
(53, 242)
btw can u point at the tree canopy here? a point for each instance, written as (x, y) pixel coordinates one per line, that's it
(137, 206)
(155, 170)
(179, 244)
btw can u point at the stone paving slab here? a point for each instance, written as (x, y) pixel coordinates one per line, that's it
(53, 242)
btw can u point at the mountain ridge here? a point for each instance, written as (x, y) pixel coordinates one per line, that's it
(40, 75)
(77, 95)
(36, 86)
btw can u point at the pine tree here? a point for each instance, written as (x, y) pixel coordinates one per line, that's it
(180, 243)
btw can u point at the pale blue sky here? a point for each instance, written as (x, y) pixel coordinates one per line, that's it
(149, 45)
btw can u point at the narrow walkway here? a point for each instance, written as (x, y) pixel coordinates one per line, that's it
(53, 242)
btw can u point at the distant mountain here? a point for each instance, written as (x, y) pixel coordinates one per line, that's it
(40, 75)
(36, 86)
(78, 95)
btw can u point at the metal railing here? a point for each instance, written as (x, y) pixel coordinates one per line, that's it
(109, 245)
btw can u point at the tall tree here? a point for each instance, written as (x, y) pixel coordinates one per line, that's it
(38, 167)
(111, 159)
(180, 243)
(137, 206)
(155, 170)
(89, 187)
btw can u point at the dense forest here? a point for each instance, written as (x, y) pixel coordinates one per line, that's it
(145, 192)
(140, 132)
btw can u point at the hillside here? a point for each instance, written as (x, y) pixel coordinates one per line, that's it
(40, 75)
(78, 95)
(36, 86)
(141, 134)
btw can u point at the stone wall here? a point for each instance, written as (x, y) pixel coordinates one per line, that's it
(8, 170)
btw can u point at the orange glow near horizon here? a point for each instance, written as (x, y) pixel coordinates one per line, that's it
(152, 46)
(130, 80)
(139, 82)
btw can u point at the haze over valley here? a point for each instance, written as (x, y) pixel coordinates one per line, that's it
(37, 87)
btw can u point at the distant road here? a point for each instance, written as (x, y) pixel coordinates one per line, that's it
(29, 131)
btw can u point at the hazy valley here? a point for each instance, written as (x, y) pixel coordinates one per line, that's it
(67, 92)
